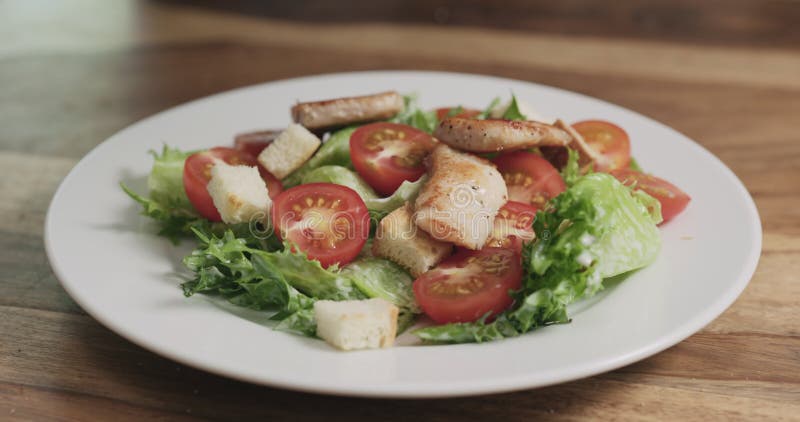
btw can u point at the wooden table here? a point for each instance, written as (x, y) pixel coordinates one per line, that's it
(727, 74)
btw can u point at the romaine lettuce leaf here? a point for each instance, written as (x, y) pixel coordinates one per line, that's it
(598, 228)
(341, 176)
(407, 192)
(165, 182)
(377, 277)
(335, 151)
(378, 207)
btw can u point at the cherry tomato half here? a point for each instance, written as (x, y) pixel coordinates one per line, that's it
(328, 222)
(673, 200)
(530, 179)
(255, 142)
(386, 154)
(606, 139)
(469, 284)
(513, 226)
(465, 113)
(197, 173)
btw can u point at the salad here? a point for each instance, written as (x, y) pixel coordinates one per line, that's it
(369, 216)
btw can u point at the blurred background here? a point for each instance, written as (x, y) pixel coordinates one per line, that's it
(109, 63)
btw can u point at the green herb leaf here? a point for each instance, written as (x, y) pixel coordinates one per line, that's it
(512, 112)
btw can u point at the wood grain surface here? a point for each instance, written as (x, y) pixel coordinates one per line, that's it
(727, 74)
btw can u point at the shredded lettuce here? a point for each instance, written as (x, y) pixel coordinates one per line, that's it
(596, 229)
(335, 151)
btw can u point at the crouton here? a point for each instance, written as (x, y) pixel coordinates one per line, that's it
(356, 324)
(399, 240)
(289, 151)
(459, 202)
(239, 193)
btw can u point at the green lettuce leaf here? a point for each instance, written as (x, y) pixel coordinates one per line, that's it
(571, 172)
(335, 151)
(309, 277)
(598, 228)
(634, 165)
(407, 192)
(341, 176)
(165, 182)
(167, 202)
(283, 282)
(488, 110)
(377, 277)
(414, 116)
(225, 266)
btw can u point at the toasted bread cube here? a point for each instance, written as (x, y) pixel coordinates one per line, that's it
(289, 150)
(356, 324)
(459, 202)
(399, 240)
(239, 193)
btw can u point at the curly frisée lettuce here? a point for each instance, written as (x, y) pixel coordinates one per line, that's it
(287, 283)
(598, 228)
(167, 202)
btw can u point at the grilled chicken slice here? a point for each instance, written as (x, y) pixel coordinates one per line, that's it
(498, 135)
(459, 202)
(327, 114)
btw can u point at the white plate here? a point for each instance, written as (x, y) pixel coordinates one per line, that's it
(109, 261)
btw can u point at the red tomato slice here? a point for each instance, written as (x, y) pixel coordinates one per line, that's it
(328, 222)
(607, 139)
(386, 154)
(530, 179)
(673, 200)
(465, 113)
(469, 284)
(197, 173)
(255, 142)
(513, 226)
